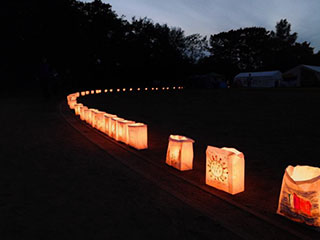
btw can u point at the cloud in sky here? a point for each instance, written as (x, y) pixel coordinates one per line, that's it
(213, 16)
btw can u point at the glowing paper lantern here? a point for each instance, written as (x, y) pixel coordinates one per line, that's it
(138, 135)
(87, 92)
(122, 133)
(77, 108)
(100, 122)
(83, 93)
(91, 116)
(82, 112)
(72, 100)
(72, 103)
(300, 195)
(107, 123)
(94, 118)
(180, 152)
(114, 126)
(225, 169)
(87, 113)
(92, 91)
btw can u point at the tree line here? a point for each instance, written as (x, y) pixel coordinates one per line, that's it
(87, 45)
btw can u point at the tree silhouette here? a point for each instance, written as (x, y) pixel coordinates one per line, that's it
(90, 46)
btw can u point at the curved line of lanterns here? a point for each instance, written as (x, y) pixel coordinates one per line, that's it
(225, 167)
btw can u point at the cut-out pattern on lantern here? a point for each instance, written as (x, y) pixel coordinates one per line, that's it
(180, 152)
(300, 195)
(138, 135)
(225, 169)
(122, 133)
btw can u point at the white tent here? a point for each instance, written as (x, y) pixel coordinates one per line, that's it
(302, 76)
(258, 79)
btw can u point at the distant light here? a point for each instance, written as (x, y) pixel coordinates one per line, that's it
(138, 89)
(130, 89)
(92, 91)
(152, 89)
(146, 89)
(106, 90)
(163, 88)
(124, 90)
(168, 88)
(111, 90)
(174, 88)
(156, 89)
(118, 90)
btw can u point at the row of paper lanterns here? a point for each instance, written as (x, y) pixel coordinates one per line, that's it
(225, 167)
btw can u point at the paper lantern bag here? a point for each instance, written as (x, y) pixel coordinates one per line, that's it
(300, 195)
(180, 152)
(100, 121)
(107, 120)
(123, 133)
(225, 169)
(138, 135)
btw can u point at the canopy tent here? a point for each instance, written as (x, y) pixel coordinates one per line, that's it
(302, 76)
(209, 80)
(258, 79)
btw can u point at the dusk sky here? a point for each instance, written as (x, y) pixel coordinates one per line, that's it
(213, 16)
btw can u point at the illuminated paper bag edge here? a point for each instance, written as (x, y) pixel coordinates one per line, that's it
(144, 144)
(298, 206)
(236, 179)
(185, 155)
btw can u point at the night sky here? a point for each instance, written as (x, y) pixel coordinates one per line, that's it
(213, 16)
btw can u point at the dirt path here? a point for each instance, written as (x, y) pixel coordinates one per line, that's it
(55, 184)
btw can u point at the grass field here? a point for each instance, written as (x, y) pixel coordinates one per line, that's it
(274, 128)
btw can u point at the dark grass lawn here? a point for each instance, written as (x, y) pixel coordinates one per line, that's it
(274, 128)
(55, 184)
